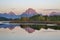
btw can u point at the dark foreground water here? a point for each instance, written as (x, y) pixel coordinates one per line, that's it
(14, 32)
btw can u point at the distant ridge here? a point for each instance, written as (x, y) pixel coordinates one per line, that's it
(55, 14)
(9, 15)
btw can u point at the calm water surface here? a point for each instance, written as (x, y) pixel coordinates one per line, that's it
(20, 34)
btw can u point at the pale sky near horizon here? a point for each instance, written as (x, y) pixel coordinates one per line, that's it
(21, 5)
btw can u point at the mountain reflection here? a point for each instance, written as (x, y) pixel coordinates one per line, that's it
(7, 26)
(29, 28)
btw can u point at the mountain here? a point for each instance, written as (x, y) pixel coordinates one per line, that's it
(28, 13)
(9, 15)
(55, 14)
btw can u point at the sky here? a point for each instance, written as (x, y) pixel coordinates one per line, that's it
(19, 6)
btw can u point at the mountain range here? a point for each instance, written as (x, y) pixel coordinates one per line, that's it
(9, 15)
(28, 13)
(55, 14)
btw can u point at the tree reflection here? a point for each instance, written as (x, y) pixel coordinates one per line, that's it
(30, 28)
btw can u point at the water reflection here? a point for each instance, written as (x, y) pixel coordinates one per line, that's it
(29, 28)
(17, 32)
